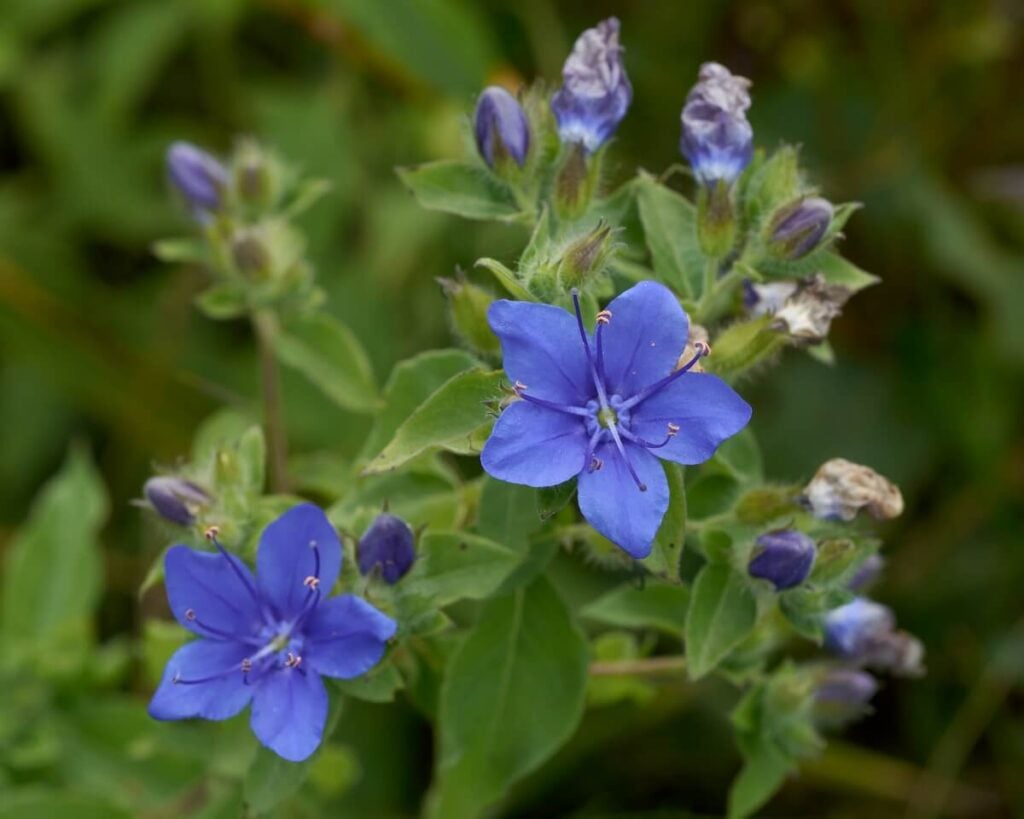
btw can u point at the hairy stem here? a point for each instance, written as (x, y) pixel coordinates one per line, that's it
(265, 325)
(648, 665)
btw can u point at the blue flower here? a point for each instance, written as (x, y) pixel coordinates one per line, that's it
(267, 639)
(388, 544)
(717, 140)
(199, 177)
(605, 406)
(784, 558)
(595, 90)
(500, 127)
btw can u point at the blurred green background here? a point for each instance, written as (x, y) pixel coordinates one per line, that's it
(912, 108)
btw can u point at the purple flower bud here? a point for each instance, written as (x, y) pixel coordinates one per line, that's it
(175, 499)
(595, 90)
(388, 543)
(867, 574)
(500, 127)
(865, 632)
(846, 686)
(197, 175)
(800, 227)
(717, 140)
(784, 557)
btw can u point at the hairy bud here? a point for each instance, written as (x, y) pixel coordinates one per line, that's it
(175, 499)
(798, 228)
(500, 127)
(388, 546)
(783, 557)
(717, 140)
(198, 176)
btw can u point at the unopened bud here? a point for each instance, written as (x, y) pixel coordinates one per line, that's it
(198, 176)
(388, 546)
(501, 128)
(250, 254)
(840, 489)
(467, 310)
(842, 695)
(865, 632)
(798, 228)
(717, 140)
(867, 573)
(783, 557)
(586, 257)
(175, 499)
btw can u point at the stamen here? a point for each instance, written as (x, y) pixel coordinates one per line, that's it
(311, 582)
(177, 679)
(673, 430)
(292, 660)
(211, 535)
(604, 316)
(629, 436)
(701, 350)
(190, 615)
(598, 381)
(595, 464)
(569, 409)
(589, 458)
(625, 458)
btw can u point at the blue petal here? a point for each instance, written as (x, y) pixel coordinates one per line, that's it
(706, 410)
(644, 339)
(613, 504)
(219, 698)
(542, 348)
(205, 584)
(346, 636)
(289, 711)
(535, 446)
(285, 558)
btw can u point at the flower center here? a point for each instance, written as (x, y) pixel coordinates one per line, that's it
(607, 418)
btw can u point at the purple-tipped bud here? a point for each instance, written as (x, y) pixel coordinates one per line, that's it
(175, 499)
(867, 574)
(783, 557)
(595, 92)
(799, 228)
(389, 544)
(848, 687)
(717, 140)
(865, 632)
(500, 127)
(197, 175)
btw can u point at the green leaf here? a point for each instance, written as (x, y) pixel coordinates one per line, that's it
(252, 458)
(448, 418)
(180, 251)
(512, 695)
(54, 564)
(806, 608)
(763, 773)
(271, 779)
(223, 301)
(410, 384)
(838, 270)
(508, 513)
(722, 612)
(378, 685)
(325, 350)
(506, 278)
(654, 605)
(740, 457)
(670, 227)
(465, 190)
(668, 543)
(33, 803)
(553, 499)
(457, 565)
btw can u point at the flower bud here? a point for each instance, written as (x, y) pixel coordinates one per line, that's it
(717, 140)
(865, 632)
(840, 489)
(198, 177)
(867, 573)
(250, 254)
(783, 557)
(804, 309)
(175, 499)
(388, 544)
(846, 686)
(798, 228)
(595, 90)
(586, 257)
(467, 310)
(500, 127)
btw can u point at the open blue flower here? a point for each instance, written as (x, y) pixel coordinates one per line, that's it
(267, 639)
(605, 406)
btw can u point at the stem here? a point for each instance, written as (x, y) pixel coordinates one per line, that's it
(265, 325)
(650, 665)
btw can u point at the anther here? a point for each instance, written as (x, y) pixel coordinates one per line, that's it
(596, 464)
(190, 614)
(604, 316)
(519, 386)
(292, 660)
(211, 532)
(673, 430)
(176, 678)
(702, 348)
(246, 665)
(311, 582)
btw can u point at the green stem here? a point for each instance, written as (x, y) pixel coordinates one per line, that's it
(265, 325)
(647, 666)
